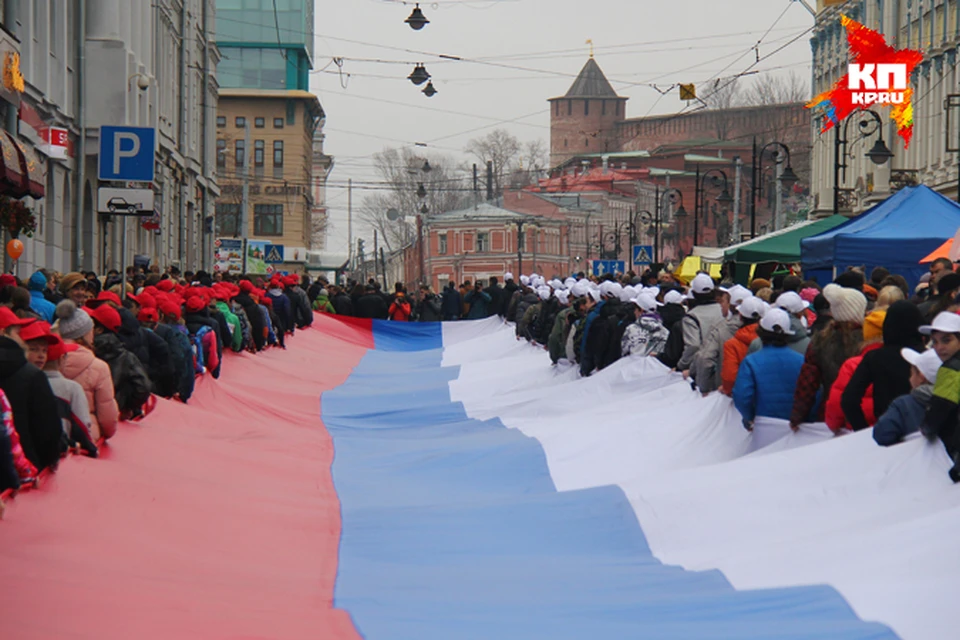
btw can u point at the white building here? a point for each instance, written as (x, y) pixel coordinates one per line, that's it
(90, 63)
(930, 26)
(319, 217)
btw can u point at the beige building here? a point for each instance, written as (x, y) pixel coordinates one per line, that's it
(265, 138)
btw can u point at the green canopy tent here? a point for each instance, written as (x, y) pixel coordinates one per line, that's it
(780, 246)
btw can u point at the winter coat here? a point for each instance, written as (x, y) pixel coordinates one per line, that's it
(525, 324)
(371, 305)
(93, 374)
(903, 416)
(671, 313)
(645, 337)
(559, 333)
(15, 468)
(430, 308)
(400, 310)
(833, 412)
(884, 369)
(303, 313)
(450, 304)
(283, 309)
(506, 295)
(523, 303)
(322, 304)
(131, 383)
(342, 304)
(152, 352)
(828, 350)
(74, 397)
(697, 325)
(37, 285)
(765, 383)
(734, 352)
(257, 328)
(545, 320)
(479, 302)
(35, 415)
(181, 357)
(598, 336)
(799, 341)
(496, 300)
(708, 364)
(941, 419)
(234, 328)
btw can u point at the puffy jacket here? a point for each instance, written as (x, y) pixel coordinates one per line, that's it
(258, 329)
(479, 301)
(300, 305)
(430, 308)
(181, 356)
(342, 304)
(833, 411)
(283, 309)
(38, 301)
(523, 303)
(558, 335)
(903, 417)
(765, 383)
(697, 325)
(234, 328)
(93, 375)
(799, 341)
(322, 304)
(399, 310)
(734, 351)
(130, 380)
(645, 337)
(707, 364)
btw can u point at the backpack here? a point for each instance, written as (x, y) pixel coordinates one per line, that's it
(673, 349)
(131, 383)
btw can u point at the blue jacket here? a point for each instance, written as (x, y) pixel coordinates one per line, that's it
(478, 301)
(765, 383)
(903, 416)
(46, 309)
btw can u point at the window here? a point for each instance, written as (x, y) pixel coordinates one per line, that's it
(603, 107)
(291, 112)
(443, 244)
(228, 219)
(258, 148)
(221, 122)
(483, 242)
(569, 107)
(221, 154)
(278, 123)
(239, 155)
(586, 107)
(278, 153)
(240, 122)
(268, 219)
(259, 123)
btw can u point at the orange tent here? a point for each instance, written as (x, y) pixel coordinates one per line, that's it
(943, 251)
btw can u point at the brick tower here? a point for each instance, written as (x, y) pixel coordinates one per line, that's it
(584, 120)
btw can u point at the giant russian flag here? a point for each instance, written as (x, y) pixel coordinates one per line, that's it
(390, 481)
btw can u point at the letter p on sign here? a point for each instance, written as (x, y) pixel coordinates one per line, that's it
(118, 151)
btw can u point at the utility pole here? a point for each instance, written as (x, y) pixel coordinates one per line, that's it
(245, 197)
(349, 220)
(489, 180)
(520, 243)
(778, 222)
(738, 163)
(376, 252)
(476, 186)
(753, 192)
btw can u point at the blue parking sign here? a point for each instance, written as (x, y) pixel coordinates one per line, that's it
(127, 153)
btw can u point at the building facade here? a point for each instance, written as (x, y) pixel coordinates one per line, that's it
(91, 63)
(266, 139)
(322, 166)
(930, 26)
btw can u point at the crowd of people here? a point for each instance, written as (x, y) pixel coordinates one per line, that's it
(854, 354)
(80, 353)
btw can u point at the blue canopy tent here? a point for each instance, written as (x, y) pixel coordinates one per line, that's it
(896, 233)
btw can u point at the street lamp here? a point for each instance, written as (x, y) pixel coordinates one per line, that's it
(869, 122)
(416, 19)
(718, 178)
(780, 153)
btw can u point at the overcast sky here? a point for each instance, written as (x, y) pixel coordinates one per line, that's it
(637, 43)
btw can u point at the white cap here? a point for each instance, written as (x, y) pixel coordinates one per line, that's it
(555, 284)
(777, 321)
(524, 280)
(791, 301)
(739, 293)
(508, 276)
(702, 283)
(595, 294)
(653, 291)
(580, 288)
(927, 362)
(627, 294)
(946, 321)
(563, 296)
(569, 282)
(610, 288)
(544, 292)
(673, 297)
(646, 302)
(752, 308)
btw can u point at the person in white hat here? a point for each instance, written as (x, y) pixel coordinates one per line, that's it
(566, 313)
(766, 379)
(708, 362)
(736, 348)
(793, 304)
(600, 345)
(906, 413)
(646, 335)
(942, 416)
(704, 315)
(520, 302)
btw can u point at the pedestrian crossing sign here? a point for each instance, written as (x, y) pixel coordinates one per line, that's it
(642, 254)
(273, 254)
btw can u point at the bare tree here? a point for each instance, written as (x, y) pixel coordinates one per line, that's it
(723, 95)
(500, 147)
(401, 173)
(777, 89)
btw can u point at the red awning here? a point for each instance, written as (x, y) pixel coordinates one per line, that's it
(21, 174)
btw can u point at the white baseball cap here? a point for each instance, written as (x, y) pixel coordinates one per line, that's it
(673, 297)
(752, 308)
(544, 292)
(646, 302)
(524, 280)
(946, 321)
(563, 296)
(580, 289)
(627, 294)
(508, 276)
(776, 321)
(595, 294)
(791, 301)
(927, 362)
(610, 288)
(739, 293)
(702, 283)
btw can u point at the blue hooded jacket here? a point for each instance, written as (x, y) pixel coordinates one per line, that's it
(46, 309)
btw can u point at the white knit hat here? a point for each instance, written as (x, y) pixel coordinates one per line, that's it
(846, 305)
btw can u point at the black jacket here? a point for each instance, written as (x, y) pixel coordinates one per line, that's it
(496, 300)
(255, 316)
(181, 358)
(9, 478)
(884, 368)
(131, 384)
(151, 350)
(35, 415)
(450, 305)
(371, 305)
(342, 304)
(545, 320)
(430, 308)
(300, 303)
(506, 294)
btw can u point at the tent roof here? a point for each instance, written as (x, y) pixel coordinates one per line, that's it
(782, 245)
(896, 233)
(943, 251)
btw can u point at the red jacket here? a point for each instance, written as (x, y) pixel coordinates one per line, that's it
(400, 310)
(734, 351)
(833, 413)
